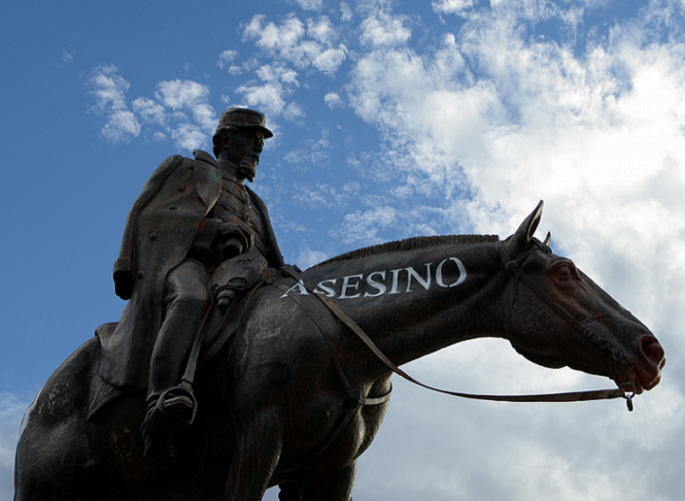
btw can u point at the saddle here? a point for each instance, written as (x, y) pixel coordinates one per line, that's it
(232, 285)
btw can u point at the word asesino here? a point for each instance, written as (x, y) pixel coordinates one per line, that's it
(449, 272)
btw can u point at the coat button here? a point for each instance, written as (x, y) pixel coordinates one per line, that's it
(140, 274)
(152, 236)
(181, 187)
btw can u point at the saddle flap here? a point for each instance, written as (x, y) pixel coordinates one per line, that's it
(105, 331)
(238, 273)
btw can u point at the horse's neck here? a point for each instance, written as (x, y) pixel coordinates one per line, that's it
(412, 303)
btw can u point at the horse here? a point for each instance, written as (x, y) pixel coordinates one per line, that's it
(294, 398)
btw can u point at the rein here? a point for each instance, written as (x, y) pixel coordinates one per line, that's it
(513, 268)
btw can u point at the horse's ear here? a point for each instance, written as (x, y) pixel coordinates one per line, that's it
(548, 240)
(521, 239)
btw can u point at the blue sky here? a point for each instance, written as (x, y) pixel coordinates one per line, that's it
(391, 120)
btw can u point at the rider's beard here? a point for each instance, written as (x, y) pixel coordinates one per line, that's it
(248, 166)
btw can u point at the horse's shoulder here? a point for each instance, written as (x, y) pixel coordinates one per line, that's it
(272, 303)
(278, 326)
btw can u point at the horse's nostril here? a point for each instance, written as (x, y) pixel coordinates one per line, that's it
(652, 350)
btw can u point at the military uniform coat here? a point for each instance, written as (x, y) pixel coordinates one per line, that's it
(165, 222)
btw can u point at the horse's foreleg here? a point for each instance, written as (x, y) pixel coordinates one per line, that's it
(333, 486)
(255, 459)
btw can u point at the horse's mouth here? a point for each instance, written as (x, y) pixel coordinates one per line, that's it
(642, 380)
(645, 373)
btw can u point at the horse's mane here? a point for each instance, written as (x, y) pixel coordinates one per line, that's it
(411, 244)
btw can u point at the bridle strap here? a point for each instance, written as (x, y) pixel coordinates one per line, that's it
(513, 268)
(550, 397)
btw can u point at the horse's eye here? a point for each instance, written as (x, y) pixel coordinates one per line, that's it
(565, 271)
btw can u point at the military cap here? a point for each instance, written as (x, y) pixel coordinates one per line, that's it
(243, 117)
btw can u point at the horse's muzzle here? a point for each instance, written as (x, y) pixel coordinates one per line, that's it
(651, 357)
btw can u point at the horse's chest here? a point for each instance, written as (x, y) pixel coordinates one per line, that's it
(348, 435)
(370, 420)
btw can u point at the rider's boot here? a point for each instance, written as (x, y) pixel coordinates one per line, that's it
(166, 415)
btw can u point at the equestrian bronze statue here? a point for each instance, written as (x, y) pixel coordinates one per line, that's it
(283, 377)
(192, 219)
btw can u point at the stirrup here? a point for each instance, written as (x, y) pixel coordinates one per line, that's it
(164, 417)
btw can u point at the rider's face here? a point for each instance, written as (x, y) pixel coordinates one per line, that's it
(243, 149)
(245, 142)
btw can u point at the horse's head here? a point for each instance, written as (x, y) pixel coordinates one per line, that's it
(558, 317)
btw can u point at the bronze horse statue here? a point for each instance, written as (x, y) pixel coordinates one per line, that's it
(295, 398)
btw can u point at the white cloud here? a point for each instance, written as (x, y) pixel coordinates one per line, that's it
(452, 6)
(333, 100)
(193, 96)
(270, 97)
(293, 111)
(322, 30)
(149, 110)
(284, 40)
(292, 43)
(189, 137)
(293, 46)
(121, 125)
(345, 12)
(267, 97)
(364, 226)
(226, 57)
(310, 4)
(271, 73)
(427, 116)
(109, 89)
(177, 94)
(330, 60)
(568, 113)
(167, 114)
(384, 30)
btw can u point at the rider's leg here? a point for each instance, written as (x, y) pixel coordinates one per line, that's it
(187, 303)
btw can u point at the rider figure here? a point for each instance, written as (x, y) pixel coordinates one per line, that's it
(191, 216)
